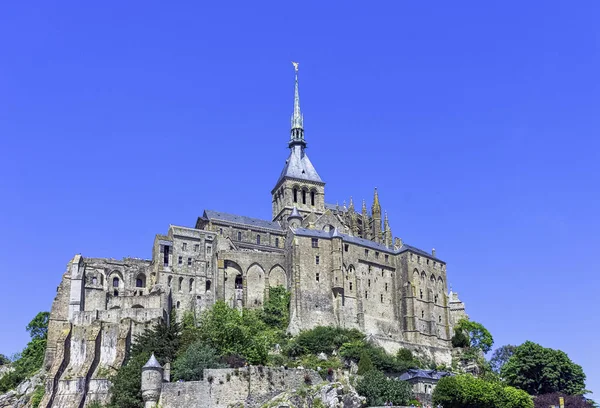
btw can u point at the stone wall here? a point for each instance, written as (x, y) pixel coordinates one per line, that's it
(222, 388)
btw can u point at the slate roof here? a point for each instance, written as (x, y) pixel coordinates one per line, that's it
(152, 363)
(298, 166)
(426, 374)
(242, 220)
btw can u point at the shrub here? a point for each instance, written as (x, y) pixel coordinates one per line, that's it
(190, 365)
(322, 339)
(364, 364)
(378, 389)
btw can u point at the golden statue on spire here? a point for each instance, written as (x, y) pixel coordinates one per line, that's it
(295, 64)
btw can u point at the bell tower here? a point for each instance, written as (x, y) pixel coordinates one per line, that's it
(299, 185)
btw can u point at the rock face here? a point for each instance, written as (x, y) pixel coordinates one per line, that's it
(330, 395)
(20, 397)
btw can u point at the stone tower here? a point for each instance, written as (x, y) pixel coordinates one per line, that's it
(152, 378)
(299, 184)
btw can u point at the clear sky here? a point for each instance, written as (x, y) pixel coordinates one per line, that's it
(479, 124)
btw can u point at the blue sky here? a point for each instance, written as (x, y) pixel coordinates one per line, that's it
(478, 123)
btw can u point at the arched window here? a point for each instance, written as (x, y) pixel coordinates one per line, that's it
(191, 285)
(208, 283)
(295, 195)
(180, 284)
(239, 282)
(115, 282)
(94, 281)
(140, 281)
(257, 239)
(303, 196)
(239, 235)
(312, 198)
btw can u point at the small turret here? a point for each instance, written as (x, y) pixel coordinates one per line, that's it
(352, 221)
(387, 232)
(152, 379)
(365, 222)
(376, 212)
(294, 219)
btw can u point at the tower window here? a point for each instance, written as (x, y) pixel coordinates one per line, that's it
(184, 246)
(317, 276)
(166, 255)
(317, 260)
(312, 198)
(295, 195)
(239, 236)
(303, 196)
(208, 250)
(277, 242)
(257, 239)
(180, 260)
(139, 283)
(350, 285)
(435, 299)
(314, 242)
(189, 261)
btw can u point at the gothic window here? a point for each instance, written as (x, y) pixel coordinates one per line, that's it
(139, 282)
(208, 285)
(191, 285)
(303, 196)
(316, 259)
(180, 284)
(239, 236)
(312, 198)
(115, 282)
(180, 260)
(295, 195)
(257, 239)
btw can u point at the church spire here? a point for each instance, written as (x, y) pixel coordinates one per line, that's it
(297, 132)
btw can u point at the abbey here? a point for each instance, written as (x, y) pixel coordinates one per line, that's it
(342, 265)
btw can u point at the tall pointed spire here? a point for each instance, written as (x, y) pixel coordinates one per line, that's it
(297, 132)
(376, 212)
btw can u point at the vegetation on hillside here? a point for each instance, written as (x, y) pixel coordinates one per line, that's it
(31, 359)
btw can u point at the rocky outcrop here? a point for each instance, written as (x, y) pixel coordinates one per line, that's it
(21, 396)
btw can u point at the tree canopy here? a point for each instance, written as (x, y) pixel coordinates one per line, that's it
(500, 356)
(539, 370)
(379, 389)
(38, 327)
(478, 336)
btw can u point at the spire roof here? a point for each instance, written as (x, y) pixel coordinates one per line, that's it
(152, 363)
(298, 166)
(297, 132)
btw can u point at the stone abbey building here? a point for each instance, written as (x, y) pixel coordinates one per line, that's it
(341, 264)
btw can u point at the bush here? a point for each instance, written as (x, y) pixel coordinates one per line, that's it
(276, 310)
(189, 366)
(322, 339)
(364, 364)
(379, 389)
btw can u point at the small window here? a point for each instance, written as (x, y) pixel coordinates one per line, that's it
(317, 276)
(435, 299)
(178, 304)
(196, 248)
(180, 260)
(303, 196)
(166, 256)
(382, 273)
(191, 285)
(366, 294)
(220, 231)
(94, 281)
(345, 247)
(239, 236)
(422, 314)
(257, 239)
(369, 268)
(295, 195)
(180, 284)
(208, 283)
(418, 259)
(116, 293)
(139, 283)
(184, 246)
(366, 252)
(428, 262)
(189, 261)
(317, 260)
(387, 258)
(208, 250)
(376, 255)
(312, 198)
(115, 282)
(169, 281)
(381, 297)
(369, 282)
(439, 319)
(421, 293)
(277, 242)
(386, 286)
(315, 243)
(350, 285)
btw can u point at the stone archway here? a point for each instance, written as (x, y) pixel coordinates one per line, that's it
(255, 286)
(277, 277)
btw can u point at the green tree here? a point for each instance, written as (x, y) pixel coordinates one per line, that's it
(190, 332)
(38, 327)
(276, 310)
(364, 364)
(322, 339)
(379, 389)
(189, 366)
(539, 370)
(4, 360)
(479, 337)
(500, 356)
